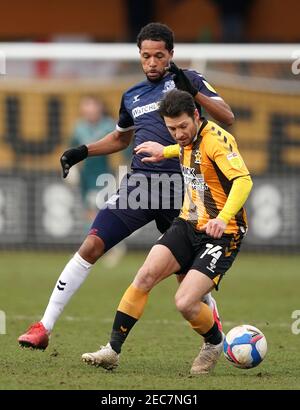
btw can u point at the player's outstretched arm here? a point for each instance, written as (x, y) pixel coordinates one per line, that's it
(113, 142)
(218, 109)
(156, 152)
(172, 151)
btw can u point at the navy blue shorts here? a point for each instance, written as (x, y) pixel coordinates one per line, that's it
(139, 200)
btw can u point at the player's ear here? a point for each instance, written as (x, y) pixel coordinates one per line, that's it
(171, 53)
(196, 114)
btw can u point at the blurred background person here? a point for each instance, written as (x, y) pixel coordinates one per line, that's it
(93, 124)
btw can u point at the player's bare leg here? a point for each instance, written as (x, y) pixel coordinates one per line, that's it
(187, 300)
(209, 300)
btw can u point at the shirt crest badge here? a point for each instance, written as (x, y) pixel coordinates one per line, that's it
(168, 86)
(197, 157)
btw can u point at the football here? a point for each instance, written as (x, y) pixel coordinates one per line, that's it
(245, 346)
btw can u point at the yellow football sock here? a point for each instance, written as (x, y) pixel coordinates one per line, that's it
(204, 321)
(133, 302)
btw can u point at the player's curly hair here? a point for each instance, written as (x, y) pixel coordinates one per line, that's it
(177, 102)
(156, 32)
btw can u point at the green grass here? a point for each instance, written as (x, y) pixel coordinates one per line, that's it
(259, 290)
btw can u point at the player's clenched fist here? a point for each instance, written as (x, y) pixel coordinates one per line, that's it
(214, 228)
(71, 157)
(181, 81)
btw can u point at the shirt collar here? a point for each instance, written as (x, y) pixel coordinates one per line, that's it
(199, 130)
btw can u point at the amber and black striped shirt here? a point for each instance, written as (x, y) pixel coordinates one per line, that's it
(209, 165)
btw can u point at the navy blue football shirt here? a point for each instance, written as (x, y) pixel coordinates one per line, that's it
(139, 112)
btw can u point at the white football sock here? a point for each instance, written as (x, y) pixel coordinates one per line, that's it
(211, 302)
(71, 278)
(207, 299)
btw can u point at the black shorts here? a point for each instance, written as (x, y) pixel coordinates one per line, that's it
(196, 250)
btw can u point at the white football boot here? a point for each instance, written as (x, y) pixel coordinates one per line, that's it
(106, 357)
(207, 357)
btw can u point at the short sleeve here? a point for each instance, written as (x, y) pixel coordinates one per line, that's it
(125, 122)
(201, 84)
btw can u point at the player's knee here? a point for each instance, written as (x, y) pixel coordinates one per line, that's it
(91, 249)
(183, 304)
(145, 278)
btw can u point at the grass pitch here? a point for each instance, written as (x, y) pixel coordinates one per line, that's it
(258, 290)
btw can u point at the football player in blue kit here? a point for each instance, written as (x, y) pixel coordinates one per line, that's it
(138, 119)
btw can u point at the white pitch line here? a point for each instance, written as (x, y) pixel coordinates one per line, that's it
(148, 321)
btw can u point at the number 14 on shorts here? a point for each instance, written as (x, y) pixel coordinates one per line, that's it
(212, 250)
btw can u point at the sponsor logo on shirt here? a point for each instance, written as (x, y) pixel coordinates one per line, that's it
(196, 181)
(145, 109)
(235, 160)
(135, 99)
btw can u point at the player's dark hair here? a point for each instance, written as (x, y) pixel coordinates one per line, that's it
(177, 102)
(156, 32)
